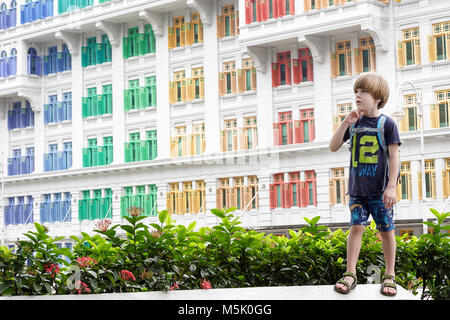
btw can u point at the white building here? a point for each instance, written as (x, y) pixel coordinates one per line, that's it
(193, 105)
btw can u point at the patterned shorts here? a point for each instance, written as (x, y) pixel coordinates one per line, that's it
(362, 207)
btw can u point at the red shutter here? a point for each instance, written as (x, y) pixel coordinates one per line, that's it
(282, 8)
(258, 10)
(314, 191)
(247, 11)
(297, 71)
(265, 9)
(288, 71)
(310, 74)
(290, 132)
(275, 8)
(303, 194)
(273, 196)
(292, 6)
(312, 130)
(275, 75)
(297, 132)
(276, 134)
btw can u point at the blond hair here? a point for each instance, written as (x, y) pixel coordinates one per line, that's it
(374, 84)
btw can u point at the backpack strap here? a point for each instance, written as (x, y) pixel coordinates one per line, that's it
(380, 131)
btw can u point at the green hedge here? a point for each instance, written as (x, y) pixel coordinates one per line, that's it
(165, 256)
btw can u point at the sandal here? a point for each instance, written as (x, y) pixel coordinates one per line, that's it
(388, 285)
(346, 284)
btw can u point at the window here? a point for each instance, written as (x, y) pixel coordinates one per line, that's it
(305, 128)
(177, 34)
(196, 85)
(409, 121)
(179, 145)
(338, 187)
(283, 130)
(409, 48)
(150, 91)
(194, 30)
(107, 99)
(440, 111)
(247, 76)
(197, 139)
(310, 197)
(239, 195)
(404, 187)
(226, 23)
(430, 179)
(250, 133)
(281, 70)
(343, 110)
(446, 178)
(230, 135)
(365, 56)
(256, 11)
(293, 193)
(439, 42)
(408, 232)
(177, 88)
(303, 66)
(341, 60)
(227, 78)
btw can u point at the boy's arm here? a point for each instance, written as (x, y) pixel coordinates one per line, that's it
(338, 138)
(390, 194)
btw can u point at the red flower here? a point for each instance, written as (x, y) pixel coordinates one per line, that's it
(86, 262)
(82, 287)
(205, 284)
(127, 275)
(51, 268)
(174, 287)
(103, 225)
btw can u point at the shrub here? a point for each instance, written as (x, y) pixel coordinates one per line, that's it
(165, 256)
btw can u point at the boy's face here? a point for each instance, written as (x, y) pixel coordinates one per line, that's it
(365, 102)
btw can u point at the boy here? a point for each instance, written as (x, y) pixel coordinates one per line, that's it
(373, 176)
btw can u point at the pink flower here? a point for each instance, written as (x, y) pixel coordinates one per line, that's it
(51, 268)
(205, 284)
(82, 287)
(86, 262)
(103, 225)
(127, 275)
(135, 211)
(174, 287)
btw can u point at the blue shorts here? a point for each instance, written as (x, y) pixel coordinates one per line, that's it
(362, 207)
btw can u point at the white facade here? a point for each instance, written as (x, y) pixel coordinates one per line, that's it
(318, 30)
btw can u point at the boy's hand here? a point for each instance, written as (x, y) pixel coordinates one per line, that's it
(389, 197)
(353, 116)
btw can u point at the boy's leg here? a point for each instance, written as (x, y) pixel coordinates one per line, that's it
(359, 215)
(389, 247)
(384, 219)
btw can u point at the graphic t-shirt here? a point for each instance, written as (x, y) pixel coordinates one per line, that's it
(368, 163)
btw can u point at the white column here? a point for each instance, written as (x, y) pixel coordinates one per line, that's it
(118, 87)
(264, 100)
(162, 94)
(77, 120)
(211, 71)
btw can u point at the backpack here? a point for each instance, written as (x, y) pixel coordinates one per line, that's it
(382, 142)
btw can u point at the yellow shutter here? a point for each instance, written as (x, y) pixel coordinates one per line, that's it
(200, 31)
(202, 87)
(240, 80)
(172, 92)
(333, 64)
(307, 5)
(220, 27)
(223, 141)
(409, 186)
(171, 38)
(183, 90)
(357, 60)
(445, 183)
(189, 33)
(419, 176)
(348, 56)
(401, 54)
(433, 185)
(399, 191)
(221, 84)
(373, 60)
(417, 59)
(434, 114)
(447, 37)
(183, 35)
(332, 193)
(219, 203)
(233, 81)
(233, 24)
(253, 79)
(242, 139)
(190, 89)
(431, 49)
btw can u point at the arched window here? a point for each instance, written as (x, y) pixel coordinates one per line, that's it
(32, 51)
(3, 7)
(13, 52)
(13, 4)
(3, 54)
